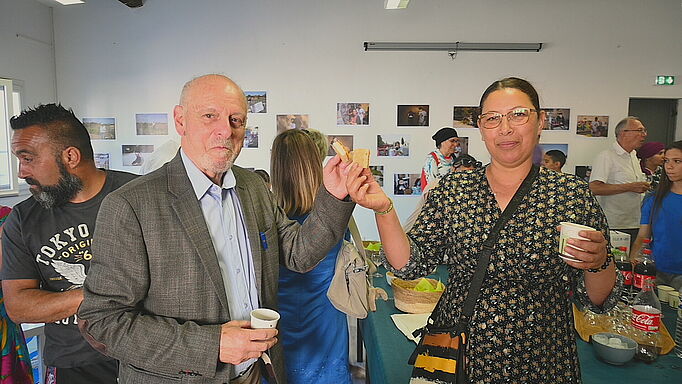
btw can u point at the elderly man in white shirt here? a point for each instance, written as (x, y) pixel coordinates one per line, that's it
(617, 179)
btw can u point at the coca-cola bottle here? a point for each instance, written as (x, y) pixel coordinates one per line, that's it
(646, 318)
(625, 268)
(645, 269)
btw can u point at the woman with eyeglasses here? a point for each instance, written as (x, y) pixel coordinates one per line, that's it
(439, 162)
(521, 330)
(662, 220)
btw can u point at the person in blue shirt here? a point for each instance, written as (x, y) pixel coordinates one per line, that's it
(314, 333)
(662, 220)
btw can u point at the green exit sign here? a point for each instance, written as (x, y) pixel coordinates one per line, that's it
(665, 80)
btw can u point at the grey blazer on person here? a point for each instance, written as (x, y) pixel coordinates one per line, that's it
(154, 297)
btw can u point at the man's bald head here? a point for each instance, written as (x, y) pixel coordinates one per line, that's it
(191, 85)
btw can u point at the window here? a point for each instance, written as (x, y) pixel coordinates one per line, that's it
(10, 105)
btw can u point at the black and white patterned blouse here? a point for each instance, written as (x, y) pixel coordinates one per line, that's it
(522, 327)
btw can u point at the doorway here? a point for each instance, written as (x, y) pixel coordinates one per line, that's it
(659, 116)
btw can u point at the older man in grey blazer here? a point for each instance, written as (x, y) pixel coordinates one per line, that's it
(183, 254)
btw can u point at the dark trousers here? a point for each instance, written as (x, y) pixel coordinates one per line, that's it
(100, 373)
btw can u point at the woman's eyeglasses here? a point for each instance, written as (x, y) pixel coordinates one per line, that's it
(518, 116)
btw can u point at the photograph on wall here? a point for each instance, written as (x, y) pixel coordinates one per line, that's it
(464, 117)
(413, 115)
(151, 123)
(593, 125)
(542, 148)
(393, 145)
(346, 140)
(557, 119)
(100, 128)
(251, 137)
(583, 172)
(407, 184)
(135, 155)
(286, 122)
(352, 113)
(378, 173)
(256, 101)
(102, 160)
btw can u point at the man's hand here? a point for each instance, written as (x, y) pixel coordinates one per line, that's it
(594, 254)
(640, 187)
(239, 343)
(365, 190)
(334, 177)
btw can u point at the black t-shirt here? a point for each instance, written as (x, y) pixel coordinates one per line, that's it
(53, 246)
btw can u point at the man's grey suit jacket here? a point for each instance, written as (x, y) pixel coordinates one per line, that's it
(154, 295)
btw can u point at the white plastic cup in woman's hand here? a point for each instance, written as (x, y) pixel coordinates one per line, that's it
(264, 318)
(570, 231)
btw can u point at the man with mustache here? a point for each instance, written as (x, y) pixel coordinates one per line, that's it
(46, 239)
(184, 253)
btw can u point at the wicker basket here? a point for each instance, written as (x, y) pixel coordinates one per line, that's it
(411, 301)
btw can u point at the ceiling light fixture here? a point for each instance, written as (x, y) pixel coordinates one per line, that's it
(70, 2)
(396, 4)
(452, 47)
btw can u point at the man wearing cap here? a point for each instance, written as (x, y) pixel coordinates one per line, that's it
(439, 162)
(617, 179)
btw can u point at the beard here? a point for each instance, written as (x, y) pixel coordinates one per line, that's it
(224, 163)
(50, 196)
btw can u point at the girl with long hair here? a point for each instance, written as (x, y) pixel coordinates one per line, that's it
(314, 333)
(662, 220)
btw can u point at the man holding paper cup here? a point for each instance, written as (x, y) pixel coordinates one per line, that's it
(183, 256)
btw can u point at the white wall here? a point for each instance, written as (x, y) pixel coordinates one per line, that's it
(308, 55)
(28, 57)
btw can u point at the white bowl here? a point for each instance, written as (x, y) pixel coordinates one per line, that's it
(610, 354)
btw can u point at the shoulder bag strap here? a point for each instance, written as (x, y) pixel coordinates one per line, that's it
(489, 244)
(357, 239)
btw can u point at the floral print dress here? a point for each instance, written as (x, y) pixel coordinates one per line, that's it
(522, 327)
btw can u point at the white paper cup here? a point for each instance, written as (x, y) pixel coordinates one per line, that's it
(674, 299)
(663, 292)
(264, 318)
(570, 231)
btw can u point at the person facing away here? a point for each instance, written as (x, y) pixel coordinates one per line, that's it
(527, 289)
(313, 331)
(15, 362)
(662, 220)
(439, 162)
(47, 239)
(617, 180)
(183, 254)
(554, 159)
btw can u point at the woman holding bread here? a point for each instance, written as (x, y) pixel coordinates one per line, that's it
(314, 333)
(521, 329)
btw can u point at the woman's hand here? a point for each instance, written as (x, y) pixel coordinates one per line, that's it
(364, 189)
(594, 252)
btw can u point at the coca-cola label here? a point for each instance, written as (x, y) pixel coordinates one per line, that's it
(627, 277)
(646, 318)
(638, 279)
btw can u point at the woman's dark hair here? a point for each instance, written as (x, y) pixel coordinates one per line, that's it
(61, 125)
(515, 83)
(663, 186)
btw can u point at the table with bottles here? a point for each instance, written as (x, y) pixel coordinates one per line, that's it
(388, 350)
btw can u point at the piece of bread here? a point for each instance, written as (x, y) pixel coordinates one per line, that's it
(361, 156)
(341, 150)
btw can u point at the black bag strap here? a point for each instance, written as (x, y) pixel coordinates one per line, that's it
(489, 244)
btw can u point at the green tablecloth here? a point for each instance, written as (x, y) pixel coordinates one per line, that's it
(388, 351)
